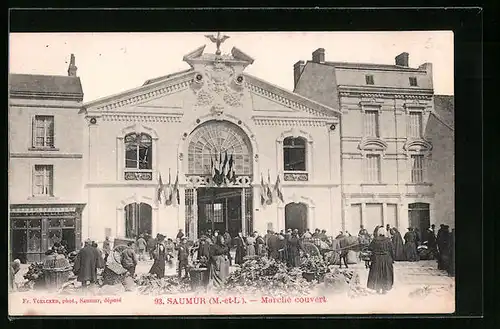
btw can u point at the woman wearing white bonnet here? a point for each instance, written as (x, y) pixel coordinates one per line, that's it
(381, 275)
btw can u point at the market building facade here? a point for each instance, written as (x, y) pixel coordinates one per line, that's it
(218, 139)
(397, 152)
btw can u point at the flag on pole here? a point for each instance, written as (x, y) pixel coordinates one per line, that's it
(268, 189)
(168, 190)
(262, 190)
(175, 191)
(230, 169)
(159, 190)
(277, 189)
(224, 165)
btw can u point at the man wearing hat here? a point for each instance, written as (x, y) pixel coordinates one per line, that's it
(183, 256)
(141, 247)
(129, 258)
(316, 234)
(85, 266)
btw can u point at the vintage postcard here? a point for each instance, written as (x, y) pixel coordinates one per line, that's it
(225, 173)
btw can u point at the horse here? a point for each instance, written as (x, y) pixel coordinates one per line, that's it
(346, 244)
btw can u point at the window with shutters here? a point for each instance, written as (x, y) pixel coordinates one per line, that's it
(413, 81)
(417, 168)
(369, 79)
(43, 131)
(415, 124)
(43, 180)
(371, 122)
(372, 169)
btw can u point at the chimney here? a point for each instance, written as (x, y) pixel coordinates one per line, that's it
(318, 56)
(72, 67)
(297, 71)
(402, 59)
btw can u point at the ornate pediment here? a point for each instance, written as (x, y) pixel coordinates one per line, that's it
(372, 144)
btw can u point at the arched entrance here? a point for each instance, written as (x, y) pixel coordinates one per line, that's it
(138, 219)
(219, 167)
(296, 216)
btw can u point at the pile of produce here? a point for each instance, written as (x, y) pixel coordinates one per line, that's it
(149, 284)
(35, 276)
(258, 276)
(345, 281)
(113, 274)
(315, 265)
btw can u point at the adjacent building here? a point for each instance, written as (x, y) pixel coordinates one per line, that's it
(45, 162)
(397, 164)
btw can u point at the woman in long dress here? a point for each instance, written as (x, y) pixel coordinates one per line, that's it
(381, 275)
(397, 243)
(294, 248)
(159, 256)
(241, 247)
(410, 249)
(251, 245)
(219, 264)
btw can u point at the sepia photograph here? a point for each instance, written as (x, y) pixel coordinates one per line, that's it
(231, 173)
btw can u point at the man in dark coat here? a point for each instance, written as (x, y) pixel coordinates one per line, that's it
(183, 255)
(273, 246)
(106, 248)
(294, 248)
(316, 234)
(228, 241)
(85, 266)
(151, 245)
(203, 248)
(430, 240)
(443, 243)
(129, 258)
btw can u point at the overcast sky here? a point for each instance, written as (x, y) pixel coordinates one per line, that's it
(109, 63)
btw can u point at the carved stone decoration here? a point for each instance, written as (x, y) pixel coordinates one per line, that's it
(220, 87)
(196, 181)
(296, 177)
(137, 175)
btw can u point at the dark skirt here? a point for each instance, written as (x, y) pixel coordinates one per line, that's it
(240, 253)
(410, 251)
(381, 275)
(158, 268)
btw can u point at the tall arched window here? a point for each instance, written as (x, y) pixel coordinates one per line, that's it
(294, 154)
(138, 151)
(138, 219)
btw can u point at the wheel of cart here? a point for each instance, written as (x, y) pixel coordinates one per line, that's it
(119, 246)
(310, 249)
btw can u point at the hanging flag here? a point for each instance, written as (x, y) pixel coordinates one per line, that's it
(262, 190)
(224, 165)
(159, 190)
(268, 189)
(168, 190)
(175, 191)
(233, 178)
(230, 169)
(277, 189)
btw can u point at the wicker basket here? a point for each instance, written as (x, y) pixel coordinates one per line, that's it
(56, 277)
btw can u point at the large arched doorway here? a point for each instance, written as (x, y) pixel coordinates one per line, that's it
(296, 216)
(419, 216)
(138, 219)
(219, 160)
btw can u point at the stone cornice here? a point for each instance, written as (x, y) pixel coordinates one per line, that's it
(283, 121)
(131, 117)
(288, 98)
(385, 92)
(40, 154)
(141, 94)
(54, 96)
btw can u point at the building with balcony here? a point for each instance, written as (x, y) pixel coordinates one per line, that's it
(45, 163)
(397, 163)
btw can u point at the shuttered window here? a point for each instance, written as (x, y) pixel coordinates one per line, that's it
(417, 168)
(371, 123)
(43, 180)
(43, 131)
(372, 168)
(415, 125)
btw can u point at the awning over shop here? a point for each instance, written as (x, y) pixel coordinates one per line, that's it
(46, 210)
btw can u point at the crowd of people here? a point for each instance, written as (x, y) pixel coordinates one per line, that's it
(386, 247)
